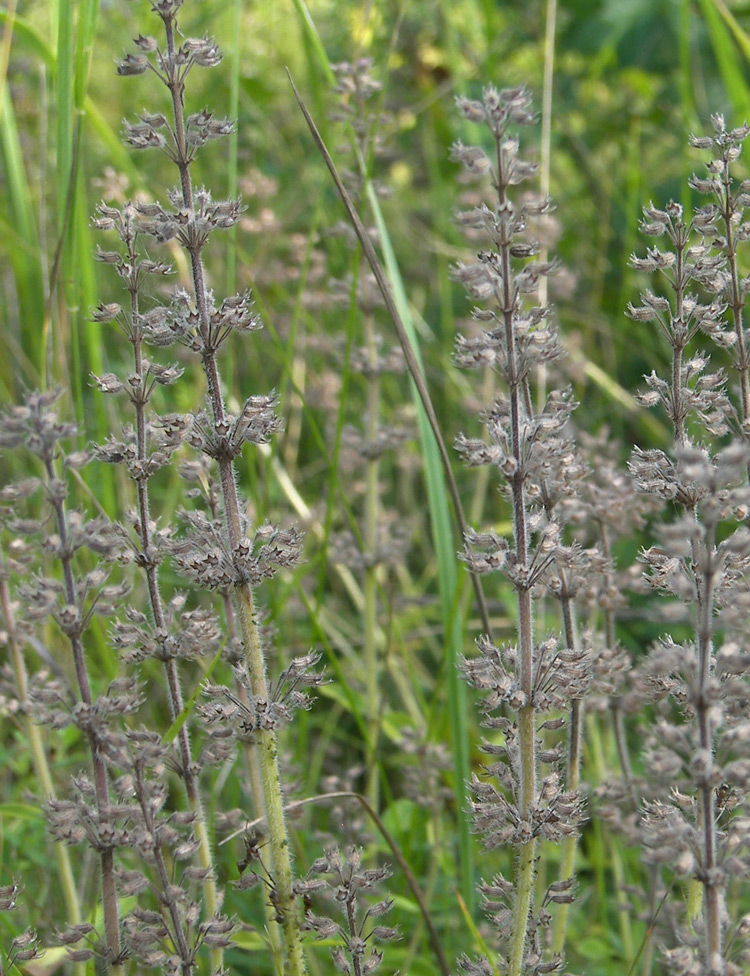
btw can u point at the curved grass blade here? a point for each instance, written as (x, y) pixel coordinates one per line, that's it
(724, 42)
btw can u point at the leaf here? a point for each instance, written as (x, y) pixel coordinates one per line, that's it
(21, 811)
(189, 705)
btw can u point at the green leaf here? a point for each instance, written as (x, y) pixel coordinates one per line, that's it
(594, 948)
(187, 709)
(21, 811)
(400, 816)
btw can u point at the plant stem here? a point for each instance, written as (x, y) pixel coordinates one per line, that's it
(284, 900)
(150, 566)
(372, 513)
(178, 934)
(526, 854)
(257, 791)
(101, 783)
(288, 913)
(38, 754)
(736, 300)
(704, 574)
(573, 778)
(712, 893)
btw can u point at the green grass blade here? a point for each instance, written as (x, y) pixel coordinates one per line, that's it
(448, 582)
(5, 44)
(87, 18)
(730, 68)
(64, 97)
(24, 259)
(77, 219)
(64, 276)
(481, 944)
(311, 33)
(740, 36)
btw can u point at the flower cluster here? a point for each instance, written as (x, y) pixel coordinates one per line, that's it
(344, 877)
(539, 468)
(219, 550)
(693, 823)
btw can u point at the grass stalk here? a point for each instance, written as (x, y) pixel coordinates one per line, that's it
(372, 519)
(602, 771)
(25, 258)
(610, 638)
(439, 477)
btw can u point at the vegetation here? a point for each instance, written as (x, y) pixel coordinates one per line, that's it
(287, 687)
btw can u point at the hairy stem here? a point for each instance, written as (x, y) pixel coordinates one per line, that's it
(526, 853)
(285, 902)
(171, 671)
(243, 598)
(38, 754)
(736, 300)
(110, 906)
(257, 791)
(573, 778)
(713, 894)
(178, 934)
